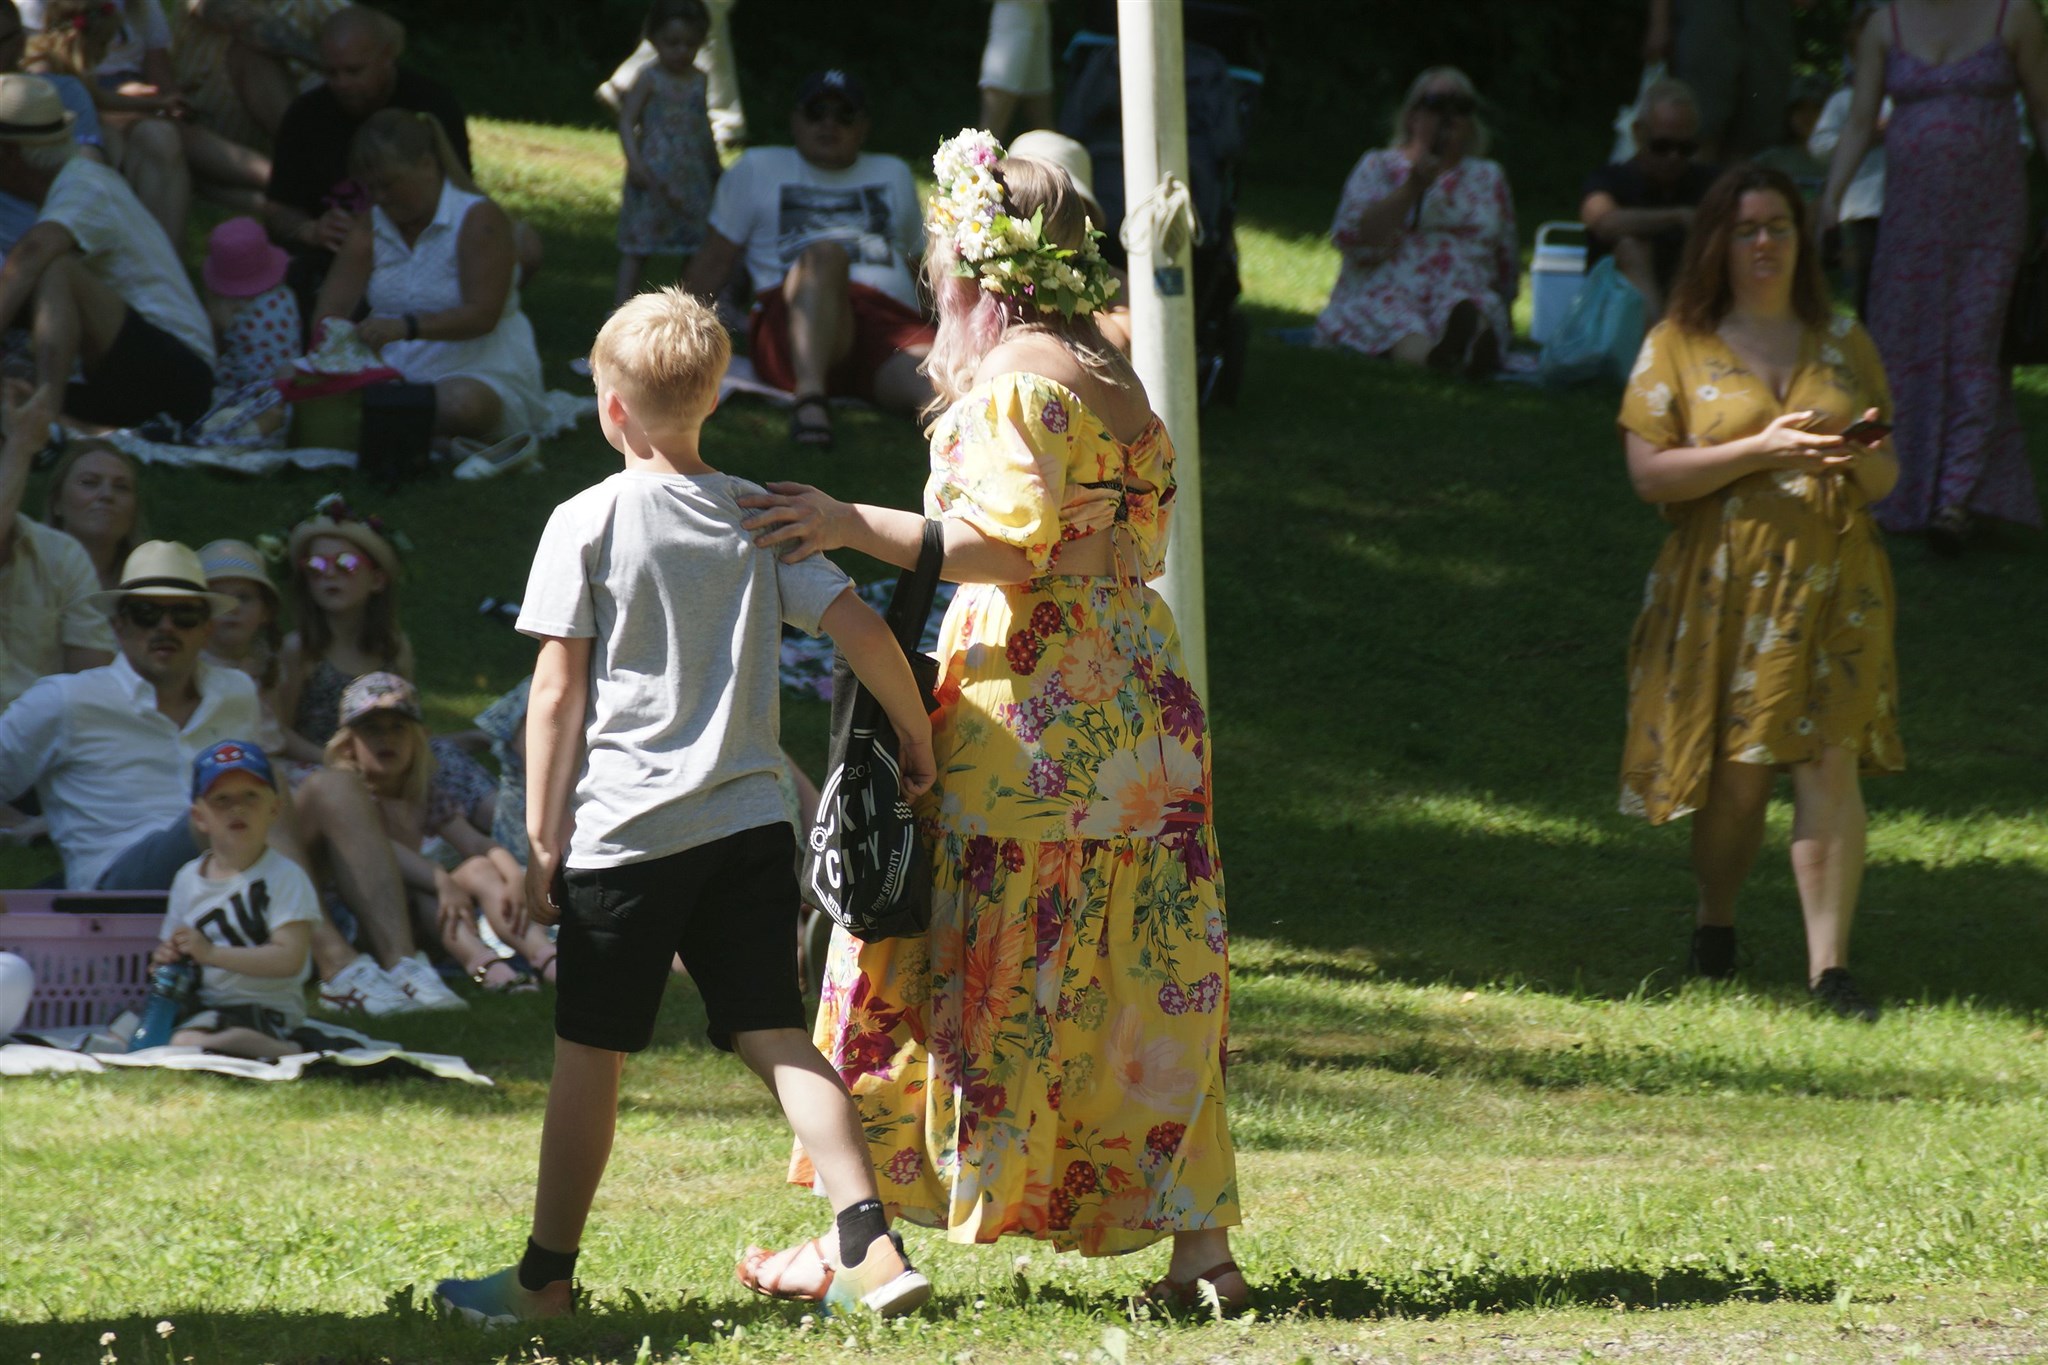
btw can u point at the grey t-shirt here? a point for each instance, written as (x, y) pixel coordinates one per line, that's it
(682, 732)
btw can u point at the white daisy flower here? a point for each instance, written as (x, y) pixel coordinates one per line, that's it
(1708, 393)
(1659, 400)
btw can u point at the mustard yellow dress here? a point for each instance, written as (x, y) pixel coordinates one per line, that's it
(1048, 1060)
(1766, 629)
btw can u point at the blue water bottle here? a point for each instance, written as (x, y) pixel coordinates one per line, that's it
(170, 995)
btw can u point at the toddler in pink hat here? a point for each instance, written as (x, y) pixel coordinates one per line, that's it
(255, 315)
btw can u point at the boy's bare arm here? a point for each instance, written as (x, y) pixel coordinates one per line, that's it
(554, 755)
(877, 660)
(284, 955)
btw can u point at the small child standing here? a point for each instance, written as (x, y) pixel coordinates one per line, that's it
(671, 159)
(656, 826)
(241, 910)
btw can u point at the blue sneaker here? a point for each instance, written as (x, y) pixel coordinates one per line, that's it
(500, 1300)
(885, 1283)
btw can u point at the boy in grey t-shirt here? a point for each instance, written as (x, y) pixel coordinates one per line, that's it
(655, 699)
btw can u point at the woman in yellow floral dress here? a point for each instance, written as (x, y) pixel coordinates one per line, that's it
(1765, 640)
(1049, 1059)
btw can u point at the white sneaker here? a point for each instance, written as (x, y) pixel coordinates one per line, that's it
(424, 985)
(362, 987)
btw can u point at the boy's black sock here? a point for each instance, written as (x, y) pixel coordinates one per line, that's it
(860, 1224)
(539, 1267)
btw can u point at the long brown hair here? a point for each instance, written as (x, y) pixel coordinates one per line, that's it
(1701, 296)
(74, 37)
(380, 636)
(53, 493)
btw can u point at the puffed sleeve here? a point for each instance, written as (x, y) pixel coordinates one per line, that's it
(999, 463)
(1653, 404)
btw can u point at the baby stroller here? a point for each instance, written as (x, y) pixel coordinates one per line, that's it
(1225, 72)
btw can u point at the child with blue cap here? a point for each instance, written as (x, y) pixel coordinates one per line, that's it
(242, 911)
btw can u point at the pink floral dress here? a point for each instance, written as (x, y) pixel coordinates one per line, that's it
(1048, 1060)
(1461, 248)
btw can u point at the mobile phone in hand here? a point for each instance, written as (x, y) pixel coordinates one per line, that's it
(1866, 433)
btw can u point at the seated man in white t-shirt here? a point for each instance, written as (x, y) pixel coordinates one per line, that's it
(831, 236)
(101, 282)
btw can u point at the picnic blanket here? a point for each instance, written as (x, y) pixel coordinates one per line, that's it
(331, 1050)
(806, 665)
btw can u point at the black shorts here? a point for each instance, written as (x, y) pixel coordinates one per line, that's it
(220, 1018)
(729, 907)
(145, 372)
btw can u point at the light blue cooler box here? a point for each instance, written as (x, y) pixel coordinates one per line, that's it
(1557, 272)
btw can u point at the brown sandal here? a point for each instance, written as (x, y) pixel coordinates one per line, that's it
(519, 984)
(1187, 1296)
(803, 1272)
(816, 431)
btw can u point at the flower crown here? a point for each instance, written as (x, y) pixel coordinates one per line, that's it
(1009, 256)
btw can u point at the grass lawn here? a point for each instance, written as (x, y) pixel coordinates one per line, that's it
(1479, 1116)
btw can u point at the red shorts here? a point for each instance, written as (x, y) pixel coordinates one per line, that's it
(881, 327)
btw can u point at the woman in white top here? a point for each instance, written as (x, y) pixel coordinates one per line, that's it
(436, 261)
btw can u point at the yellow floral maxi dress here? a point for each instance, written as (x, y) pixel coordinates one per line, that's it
(1048, 1060)
(1766, 629)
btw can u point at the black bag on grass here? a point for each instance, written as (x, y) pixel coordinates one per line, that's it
(864, 865)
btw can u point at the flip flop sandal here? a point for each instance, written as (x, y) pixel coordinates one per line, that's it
(811, 433)
(802, 1273)
(1186, 1296)
(481, 461)
(520, 983)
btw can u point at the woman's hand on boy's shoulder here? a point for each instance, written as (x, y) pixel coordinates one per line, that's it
(796, 520)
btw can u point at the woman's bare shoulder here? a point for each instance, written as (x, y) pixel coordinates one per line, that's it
(1029, 354)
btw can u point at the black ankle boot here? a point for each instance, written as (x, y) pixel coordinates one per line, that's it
(1713, 952)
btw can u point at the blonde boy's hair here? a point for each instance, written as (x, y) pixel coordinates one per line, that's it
(666, 350)
(341, 753)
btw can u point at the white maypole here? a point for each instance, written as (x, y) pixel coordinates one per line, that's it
(1158, 232)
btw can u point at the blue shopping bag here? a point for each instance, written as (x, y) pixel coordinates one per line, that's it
(1598, 339)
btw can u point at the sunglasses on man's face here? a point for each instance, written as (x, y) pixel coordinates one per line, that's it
(1673, 146)
(1448, 105)
(830, 111)
(344, 565)
(144, 614)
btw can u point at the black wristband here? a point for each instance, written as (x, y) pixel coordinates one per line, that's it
(412, 327)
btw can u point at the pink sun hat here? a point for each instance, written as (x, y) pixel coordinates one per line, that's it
(240, 260)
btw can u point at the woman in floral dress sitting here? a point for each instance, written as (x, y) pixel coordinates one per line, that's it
(1427, 231)
(1765, 640)
(1048, 1060)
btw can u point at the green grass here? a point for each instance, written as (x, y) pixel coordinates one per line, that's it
(1478, 1115)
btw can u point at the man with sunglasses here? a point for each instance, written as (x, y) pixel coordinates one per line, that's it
(830, 236)
(109, 750)
(1640, 209)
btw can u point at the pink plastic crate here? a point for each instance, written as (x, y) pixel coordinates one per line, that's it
(91, 958)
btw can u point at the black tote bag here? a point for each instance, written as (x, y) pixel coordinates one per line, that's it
(864, 864)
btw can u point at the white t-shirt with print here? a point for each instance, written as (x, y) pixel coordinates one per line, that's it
(682, 729)
(775, 204)
(127, 250)
(243, 910)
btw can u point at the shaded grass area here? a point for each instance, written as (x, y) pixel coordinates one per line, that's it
(1477, 1113)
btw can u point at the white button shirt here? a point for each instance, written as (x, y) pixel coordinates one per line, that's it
(108, 766)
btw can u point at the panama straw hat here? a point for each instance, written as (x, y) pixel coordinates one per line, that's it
(31, 112)
(237, 559)
(1057, 149)
(163, 568)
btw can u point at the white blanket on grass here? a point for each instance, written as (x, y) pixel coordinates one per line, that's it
(564, 411)
(80, 1050)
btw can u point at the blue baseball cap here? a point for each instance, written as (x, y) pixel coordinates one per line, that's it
(230, 756)
(836, 83)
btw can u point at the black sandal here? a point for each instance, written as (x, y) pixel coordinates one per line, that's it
(522, 983)
(812, 433)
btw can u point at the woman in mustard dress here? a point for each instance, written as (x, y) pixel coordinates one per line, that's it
(1765, 640)
(1048, 1060)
